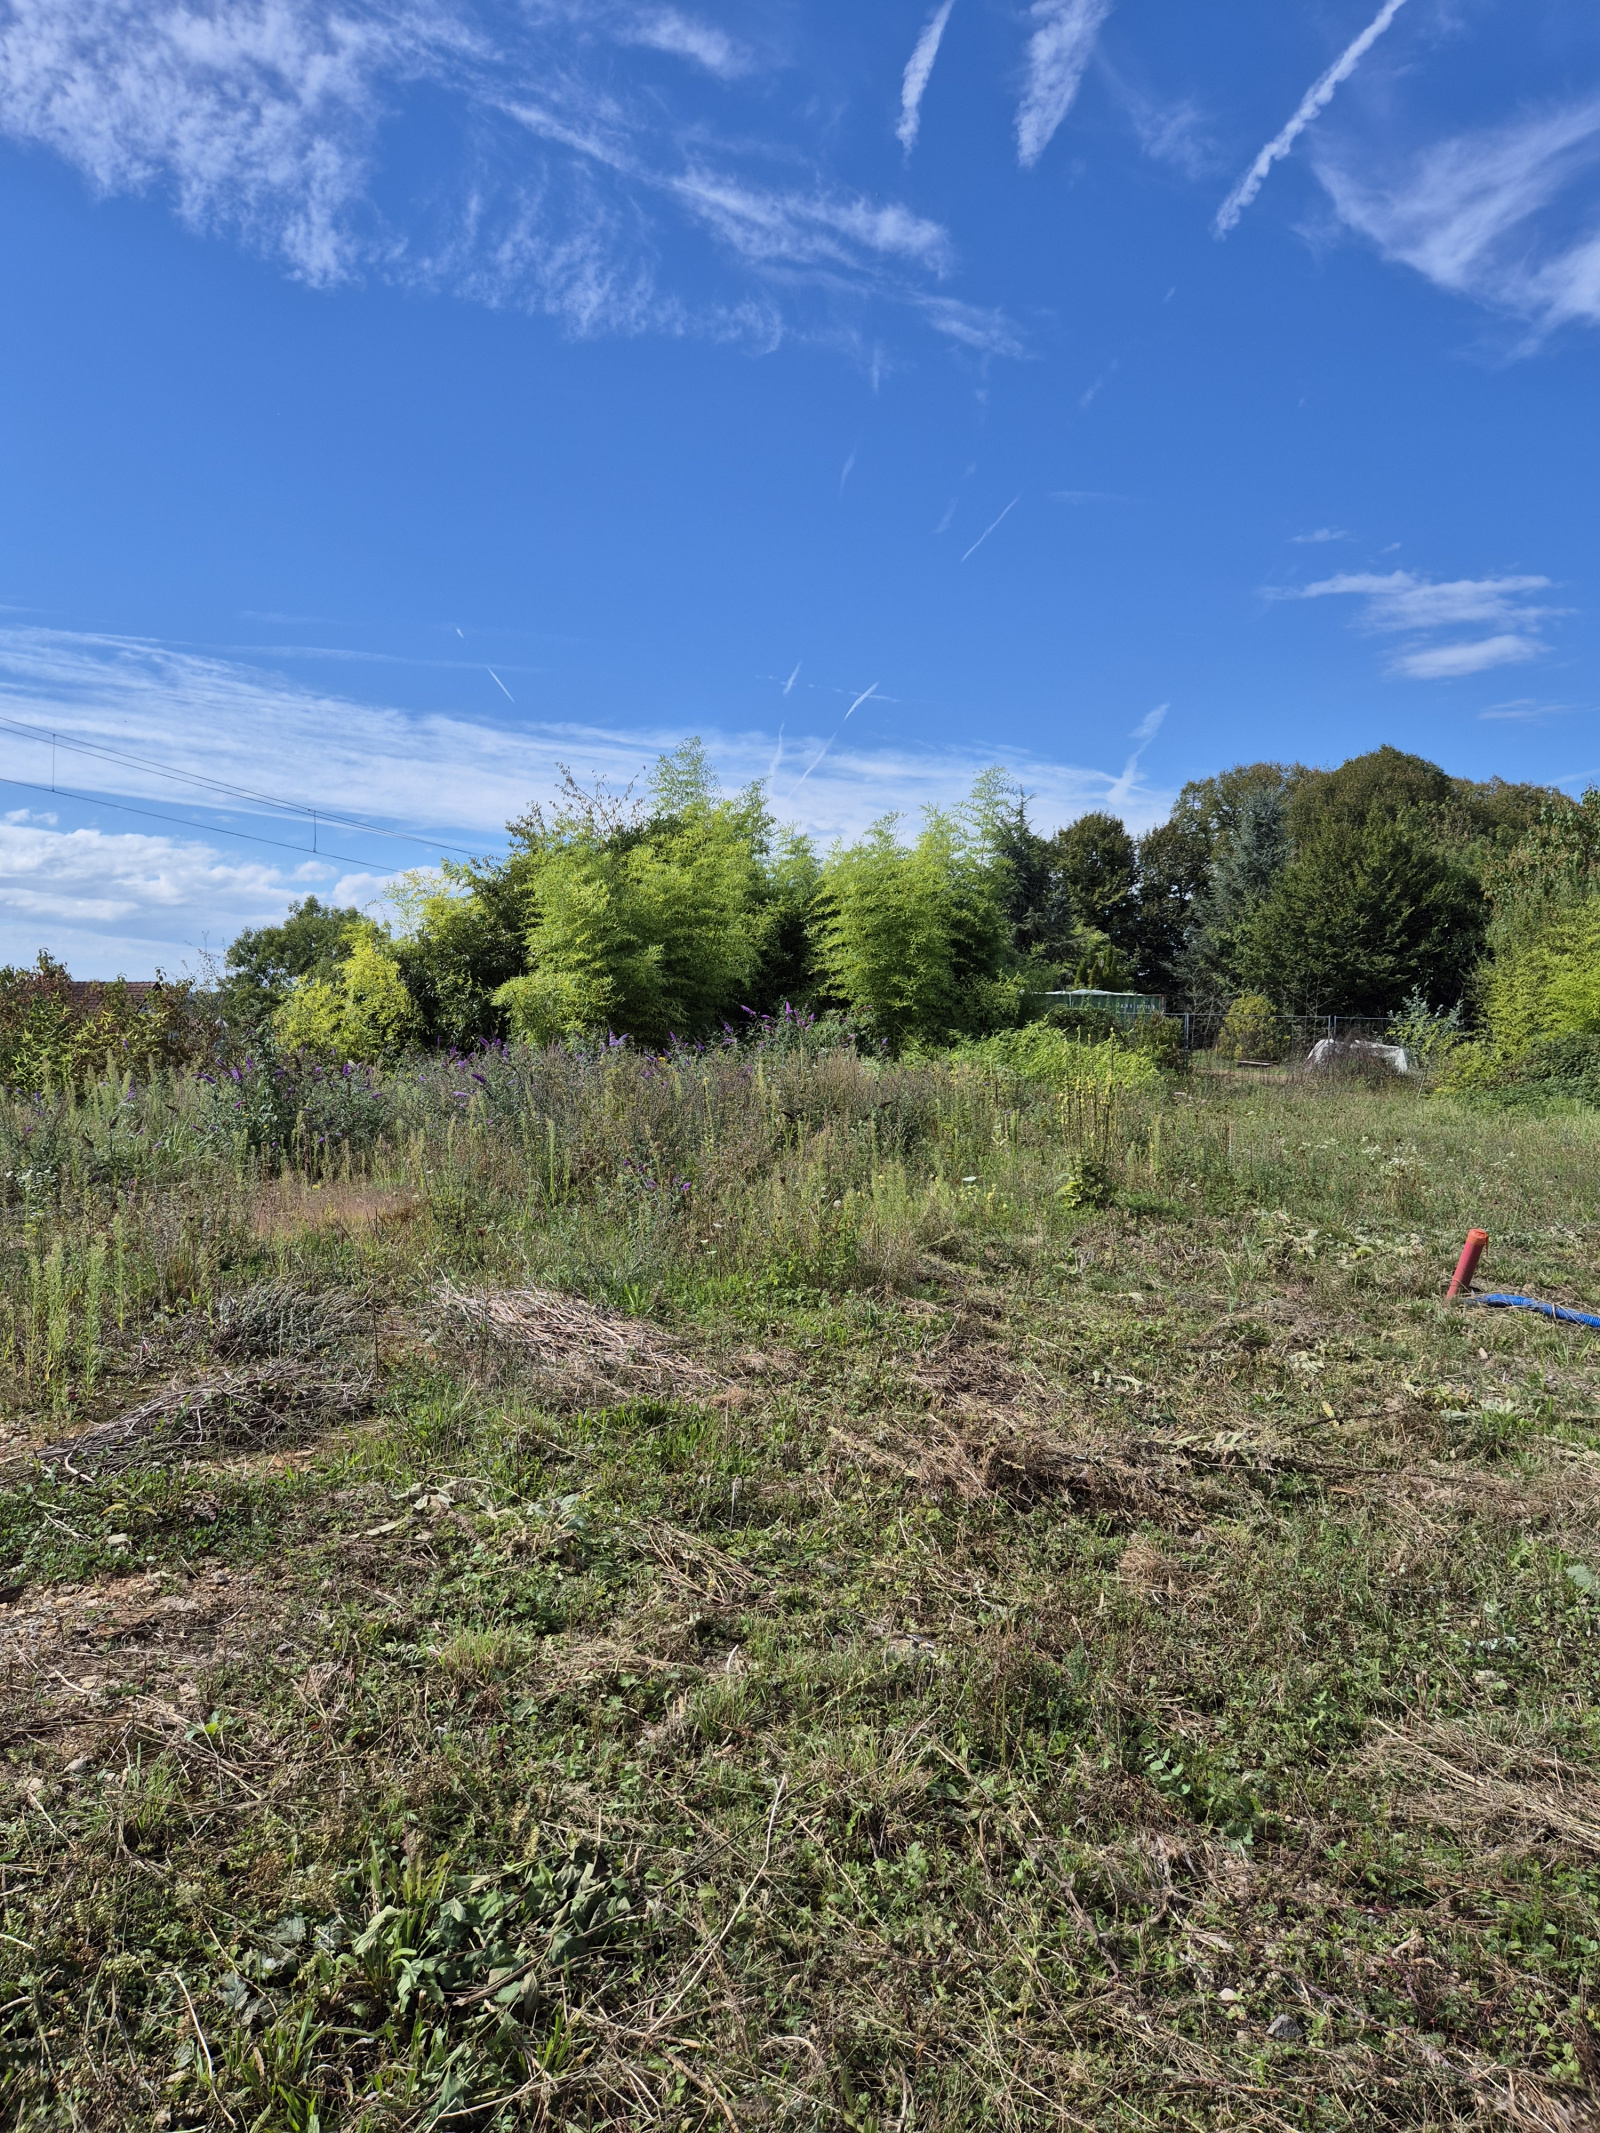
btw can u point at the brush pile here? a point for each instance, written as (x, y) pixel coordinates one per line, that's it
(265, 1406)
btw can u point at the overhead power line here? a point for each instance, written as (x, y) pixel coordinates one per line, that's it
(279, 844)
(315, 815)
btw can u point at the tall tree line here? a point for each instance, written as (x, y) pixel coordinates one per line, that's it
(671, 913)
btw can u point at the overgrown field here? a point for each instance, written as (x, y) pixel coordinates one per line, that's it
(773, 1589)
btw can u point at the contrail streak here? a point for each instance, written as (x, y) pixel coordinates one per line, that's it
(500, 685)
(794, 677)
(832, 737)
(918, 67)
(1058, 52)
(815, 760)
(1316, 99)
(984, 535)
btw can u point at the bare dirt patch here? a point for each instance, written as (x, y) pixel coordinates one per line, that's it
(77, 1658)
(291, 1206)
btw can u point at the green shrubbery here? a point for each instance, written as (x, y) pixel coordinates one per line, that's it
(1384, 890)
(1253, 1029)
(54, 1034)
(1041, 1054)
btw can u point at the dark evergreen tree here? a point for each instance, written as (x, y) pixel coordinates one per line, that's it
(1243, 872)
(1361, 919)
(1037, 904)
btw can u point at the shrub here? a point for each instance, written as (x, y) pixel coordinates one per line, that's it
(653, 927)
(1430, 1040)
(361, 1011)
(1041, 1054)
(1092, 1024)
(463, 934)
(1253, 1029)
(264, 962)
(1159, 1038)
(56, 1034)
(1547, 984)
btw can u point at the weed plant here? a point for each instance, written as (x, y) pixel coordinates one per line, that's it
(1095, 1639)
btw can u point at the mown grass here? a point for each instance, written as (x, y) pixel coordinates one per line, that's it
(1092, 1640)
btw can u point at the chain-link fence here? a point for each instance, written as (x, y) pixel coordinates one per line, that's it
(1297, 1033)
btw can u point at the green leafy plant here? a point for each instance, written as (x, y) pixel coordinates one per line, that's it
(1253, 1029)
(461, 1975)
(914, 938)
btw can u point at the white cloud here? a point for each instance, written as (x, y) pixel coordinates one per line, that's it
(1451, 662)
(1063, 40)
(1171, 133)
(685, 37)
(120, 903)
(1488, 215)
(107, 899)
(1524, 709)
(1311, 105)
(1322, 533)
(919, 67)
(1401, 601)
(809, 230)
(261, 116)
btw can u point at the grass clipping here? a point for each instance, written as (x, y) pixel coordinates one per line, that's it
(578, 1354)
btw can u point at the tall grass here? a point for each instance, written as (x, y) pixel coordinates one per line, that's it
(633, 1176)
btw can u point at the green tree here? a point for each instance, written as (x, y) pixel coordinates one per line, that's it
(1358, 921)
(653, 924)
(914, 937)
(1038, 907)
(464, 934)
(1175, 861)
(1388, 784)
(1096, 867)
(1383, 785)
(1547, 982)
(360, 1010)
(264, 962)
(1243, 873)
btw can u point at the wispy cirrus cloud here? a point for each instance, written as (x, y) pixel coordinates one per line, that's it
(644, 208)
(665, 29)
(1507, 216)
(1059, 50)
(1401, 602)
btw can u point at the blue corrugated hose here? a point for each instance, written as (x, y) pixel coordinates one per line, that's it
(1532, 1303)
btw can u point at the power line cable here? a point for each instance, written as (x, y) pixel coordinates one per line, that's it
(278, 844)
(237, 792)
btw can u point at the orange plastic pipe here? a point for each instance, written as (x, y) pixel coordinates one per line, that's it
(1467, 1264)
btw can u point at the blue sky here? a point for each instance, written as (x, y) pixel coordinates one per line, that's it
(403, 399)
